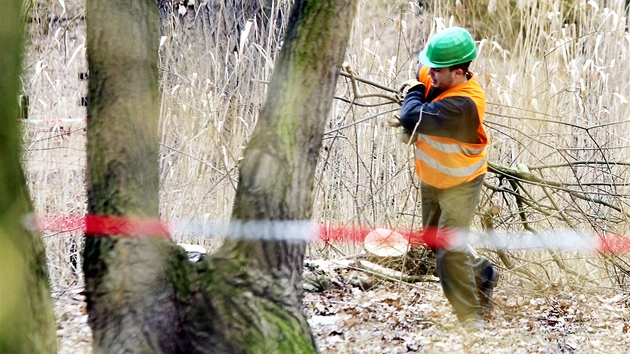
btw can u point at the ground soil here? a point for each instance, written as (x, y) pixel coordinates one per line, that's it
(395, 317)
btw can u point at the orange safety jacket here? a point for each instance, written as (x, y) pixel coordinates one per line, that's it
(442, 158)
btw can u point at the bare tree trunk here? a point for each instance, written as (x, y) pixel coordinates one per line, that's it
(143, 294)
(27, 324)
(278, 168)
(130, 300)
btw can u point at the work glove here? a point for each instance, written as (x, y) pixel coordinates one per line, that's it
(394, 121)
(405, 136)
(409, 86)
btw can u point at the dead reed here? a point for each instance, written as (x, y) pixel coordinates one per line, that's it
(558, 104)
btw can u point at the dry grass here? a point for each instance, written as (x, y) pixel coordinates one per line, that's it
(554, 74)
(554, 80)
(556, 97)
(54, 157)
(208, 113)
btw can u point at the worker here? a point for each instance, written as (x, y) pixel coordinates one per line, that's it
(443, 110)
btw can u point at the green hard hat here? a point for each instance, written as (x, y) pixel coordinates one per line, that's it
(449, 47)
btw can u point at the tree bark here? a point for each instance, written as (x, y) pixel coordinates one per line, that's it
(143, 294)
(27, 323)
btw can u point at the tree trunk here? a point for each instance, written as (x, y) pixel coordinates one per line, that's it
(143, 294)
(128, 294)
(277, 171)
(27, 324)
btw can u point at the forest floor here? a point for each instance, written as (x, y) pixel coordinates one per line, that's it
(395, 317)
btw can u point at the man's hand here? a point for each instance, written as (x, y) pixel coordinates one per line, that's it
(408, 86)
(394, 121)
(405, 136)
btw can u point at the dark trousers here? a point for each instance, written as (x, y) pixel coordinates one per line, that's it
(461, 275)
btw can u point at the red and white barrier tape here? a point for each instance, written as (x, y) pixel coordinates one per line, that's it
(52, 121)
(307, 231)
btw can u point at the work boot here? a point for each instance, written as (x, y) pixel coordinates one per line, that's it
(473, 324)
(485, 291)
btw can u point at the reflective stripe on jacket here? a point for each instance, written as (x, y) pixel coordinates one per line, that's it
(457, 153)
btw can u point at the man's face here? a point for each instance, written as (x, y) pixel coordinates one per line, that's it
(444, 78)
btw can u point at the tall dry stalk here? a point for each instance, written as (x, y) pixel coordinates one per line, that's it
(210, 104)
(553, 73)
(54, 158)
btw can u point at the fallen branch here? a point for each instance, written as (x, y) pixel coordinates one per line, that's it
(394, 275)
